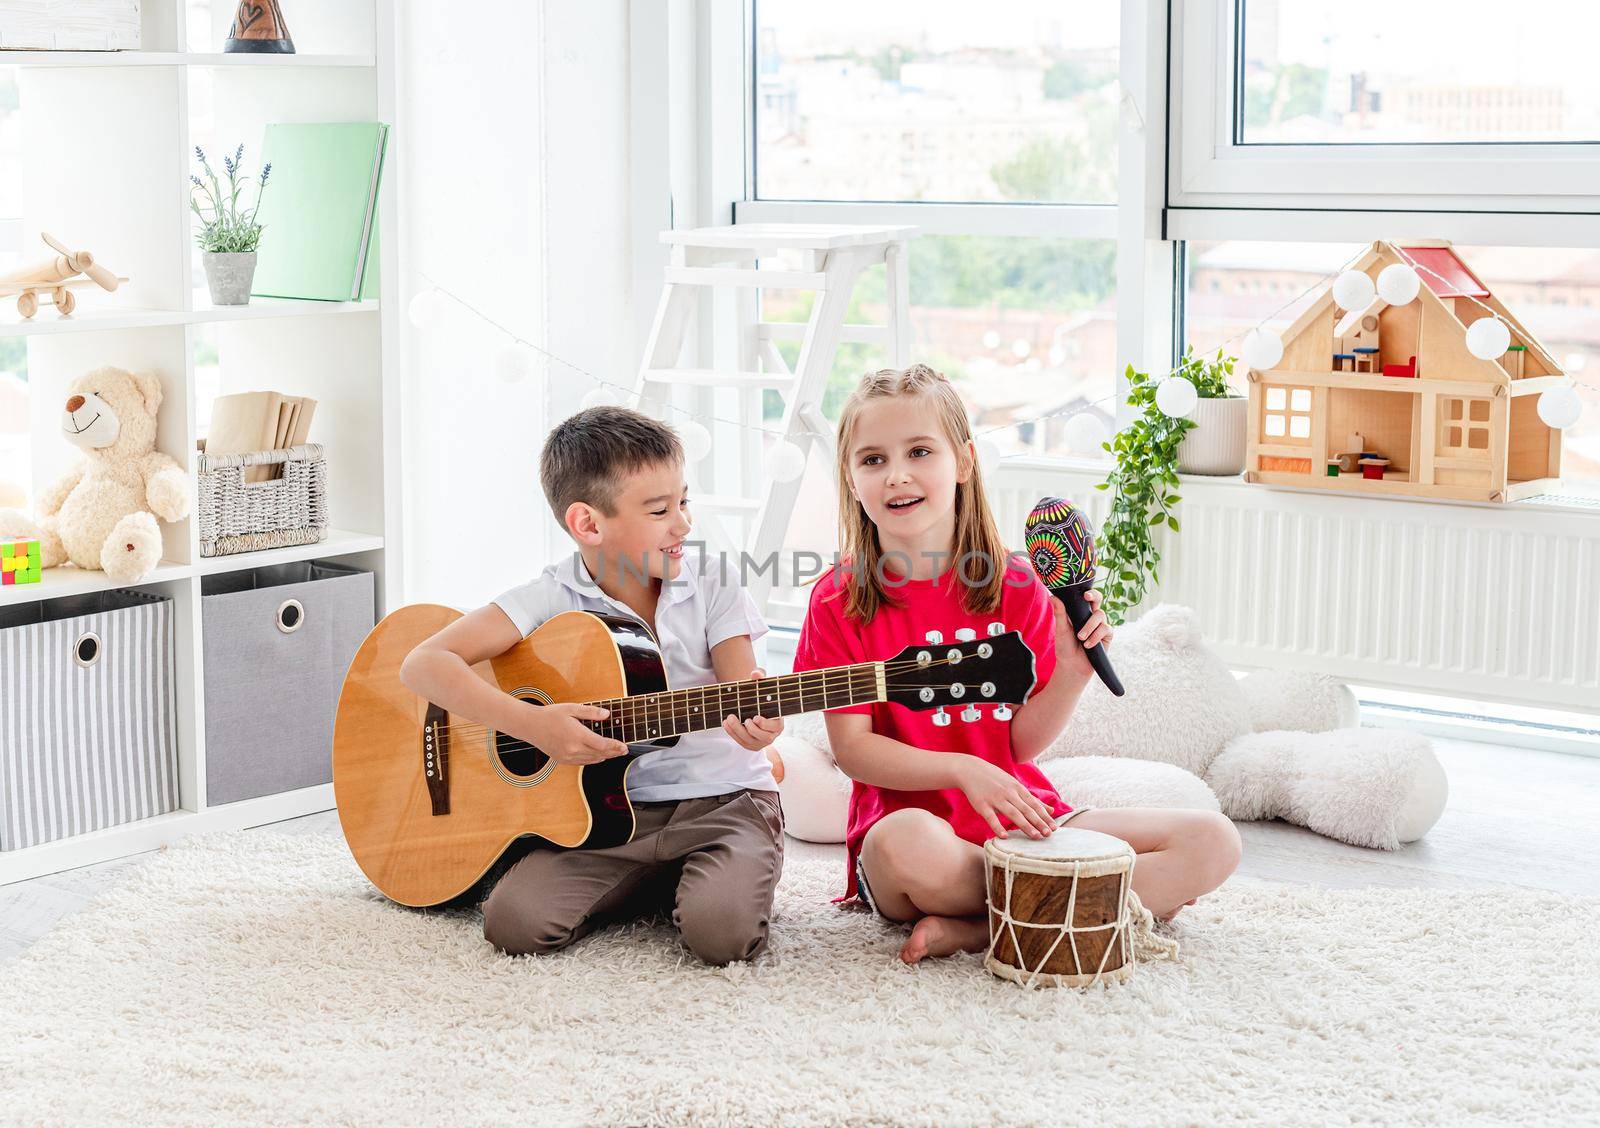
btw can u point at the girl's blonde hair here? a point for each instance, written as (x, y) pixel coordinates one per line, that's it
(979, 552)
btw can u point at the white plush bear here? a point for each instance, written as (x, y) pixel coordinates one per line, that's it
(1186, 735)
(103, 514)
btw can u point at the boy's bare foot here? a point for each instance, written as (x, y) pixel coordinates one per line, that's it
(945, 936)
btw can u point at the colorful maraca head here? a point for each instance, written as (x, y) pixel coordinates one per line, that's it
(1060, 543)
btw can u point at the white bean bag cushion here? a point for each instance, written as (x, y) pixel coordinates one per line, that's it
(1368, 787)
(1182, 705)
(814, 792)
(1113, 781)
(1281, 700)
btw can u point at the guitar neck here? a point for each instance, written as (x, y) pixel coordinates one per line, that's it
(651, 716)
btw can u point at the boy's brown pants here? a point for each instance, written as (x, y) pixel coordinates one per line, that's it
(713, 863)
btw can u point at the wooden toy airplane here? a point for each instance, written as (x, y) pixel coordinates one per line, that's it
(56, 278)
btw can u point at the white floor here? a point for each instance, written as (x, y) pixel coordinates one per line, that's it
(1515, 817)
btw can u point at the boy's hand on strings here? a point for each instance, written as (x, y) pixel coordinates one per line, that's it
(1072, 646)
(559, 731)
(756, 733)
(995, 794)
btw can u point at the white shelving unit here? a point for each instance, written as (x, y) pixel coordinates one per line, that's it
(108, 147)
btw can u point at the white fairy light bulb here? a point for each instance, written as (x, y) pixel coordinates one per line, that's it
(425, 307)
(598, 397)
(514, 363)
(1262, 349)
(1020, 348)
(696, 441)
(785, 462)
(1085, 433)
(991, 339)
(1488, 338)
(1399, 284)
(1176, 396)
(1560, 407)
(988, 455)
(1353, 290)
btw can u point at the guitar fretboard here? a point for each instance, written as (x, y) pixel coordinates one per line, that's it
(650, 716)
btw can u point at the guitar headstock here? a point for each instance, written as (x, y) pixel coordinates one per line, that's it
(994, 670)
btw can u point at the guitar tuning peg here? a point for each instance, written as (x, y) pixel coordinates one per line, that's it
(934, 637)
(996, 629)
(1003, 713)
(970, 714)
(966, 634)
(940, 717)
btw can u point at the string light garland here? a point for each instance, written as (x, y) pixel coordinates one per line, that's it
(1261, 348)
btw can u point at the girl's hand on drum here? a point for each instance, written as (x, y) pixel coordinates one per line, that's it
(995, 794)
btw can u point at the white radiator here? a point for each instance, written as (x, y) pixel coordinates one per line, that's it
(1486, 602)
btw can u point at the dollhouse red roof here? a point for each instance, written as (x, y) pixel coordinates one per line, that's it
(1440, 262)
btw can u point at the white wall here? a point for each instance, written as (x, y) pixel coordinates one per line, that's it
(514, 158)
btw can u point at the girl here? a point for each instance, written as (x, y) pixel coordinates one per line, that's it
(919, 552)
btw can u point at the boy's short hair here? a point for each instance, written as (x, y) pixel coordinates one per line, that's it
(587, 456)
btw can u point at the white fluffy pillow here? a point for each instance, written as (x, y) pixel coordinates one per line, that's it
(1182, 704)
(1112, 781)
(1369, 787)
(1302, 702)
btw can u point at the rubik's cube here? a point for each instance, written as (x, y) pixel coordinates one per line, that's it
(19, 560)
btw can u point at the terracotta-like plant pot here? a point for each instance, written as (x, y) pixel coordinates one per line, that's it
(229, 275)
(1215, 445)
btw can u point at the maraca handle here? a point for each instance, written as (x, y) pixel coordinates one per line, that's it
(1078, 611)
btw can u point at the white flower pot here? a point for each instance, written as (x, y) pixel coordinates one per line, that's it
(1215, 445)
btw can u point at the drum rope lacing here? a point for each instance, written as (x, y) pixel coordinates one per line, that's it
(1136, 928)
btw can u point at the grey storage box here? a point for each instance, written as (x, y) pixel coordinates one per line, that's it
(277, 643)
(86, 715)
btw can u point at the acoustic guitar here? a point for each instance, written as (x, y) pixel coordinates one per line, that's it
(430, 801)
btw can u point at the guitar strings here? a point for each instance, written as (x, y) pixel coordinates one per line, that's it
(832, 677)
(469, 731)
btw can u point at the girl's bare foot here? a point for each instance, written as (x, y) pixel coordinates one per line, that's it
(945, 936)
(1176, 911)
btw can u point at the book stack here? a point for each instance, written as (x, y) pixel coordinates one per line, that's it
(250, 421)
(318, 213)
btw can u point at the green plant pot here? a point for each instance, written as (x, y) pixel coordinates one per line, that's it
(229, 274)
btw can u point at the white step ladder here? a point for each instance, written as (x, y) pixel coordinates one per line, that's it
(722, 259)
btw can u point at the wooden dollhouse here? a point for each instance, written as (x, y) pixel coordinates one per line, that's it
(1388, 399)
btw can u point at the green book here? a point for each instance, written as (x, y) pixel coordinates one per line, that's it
(318, 210)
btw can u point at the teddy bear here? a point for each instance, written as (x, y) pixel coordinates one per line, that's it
(103, 513)
(1189, 734)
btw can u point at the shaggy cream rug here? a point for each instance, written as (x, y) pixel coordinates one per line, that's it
(257, 978)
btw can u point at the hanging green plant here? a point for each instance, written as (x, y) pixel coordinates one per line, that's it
(1145, 480)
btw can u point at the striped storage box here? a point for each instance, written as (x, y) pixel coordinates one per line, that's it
(86, 715)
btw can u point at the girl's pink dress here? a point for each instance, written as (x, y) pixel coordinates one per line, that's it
(829, 638)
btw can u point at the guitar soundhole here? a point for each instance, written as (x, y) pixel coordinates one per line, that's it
(519, 758)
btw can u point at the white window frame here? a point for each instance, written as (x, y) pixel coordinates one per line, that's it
(1145, 263)
(1510, 193)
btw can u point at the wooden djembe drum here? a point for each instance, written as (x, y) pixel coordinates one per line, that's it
(1058, 908)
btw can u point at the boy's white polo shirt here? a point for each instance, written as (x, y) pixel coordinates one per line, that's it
(696, 611)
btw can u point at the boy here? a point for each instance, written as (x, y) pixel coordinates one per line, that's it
(709, 839)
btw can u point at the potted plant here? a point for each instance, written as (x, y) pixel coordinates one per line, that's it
(1216, 442)
(1145, 481)
(229, 233)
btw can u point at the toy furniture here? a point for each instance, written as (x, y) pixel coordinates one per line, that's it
(1453, 426)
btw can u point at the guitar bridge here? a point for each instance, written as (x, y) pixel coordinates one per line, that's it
(436, 759)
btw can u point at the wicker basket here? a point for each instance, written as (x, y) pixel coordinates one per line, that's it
(240, 516)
